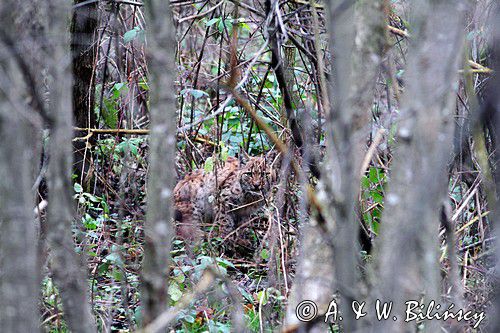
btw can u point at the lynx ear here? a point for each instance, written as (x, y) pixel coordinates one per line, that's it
(243, 156)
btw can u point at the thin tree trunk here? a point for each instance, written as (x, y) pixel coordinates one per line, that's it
(66, 265)
(18, 265)
(357, 55)
(492, 111)
(19, 63)
(331, 265)
(159, 229)
(313, 282)
(408, 253)
(83, 49)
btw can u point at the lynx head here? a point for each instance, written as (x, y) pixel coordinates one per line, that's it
(256, 177)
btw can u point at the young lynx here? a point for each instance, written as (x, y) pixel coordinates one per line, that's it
(223, 197)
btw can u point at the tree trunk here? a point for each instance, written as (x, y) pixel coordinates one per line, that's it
(492, 111)
(20, 34)
(330, 266)
(83, 50)
(408, 247)
(357, 56)
(159, 229)
(65, 263)
(19, 283)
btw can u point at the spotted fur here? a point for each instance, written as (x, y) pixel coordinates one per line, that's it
(224, 197)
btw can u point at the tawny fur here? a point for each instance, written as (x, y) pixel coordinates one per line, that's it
(223, 197)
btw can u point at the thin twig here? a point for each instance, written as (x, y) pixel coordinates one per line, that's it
(208, 11)
(117, 131)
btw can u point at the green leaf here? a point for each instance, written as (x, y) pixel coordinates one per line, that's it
(224, 153)
(189, 319)
(245, 294)
(115, 259)
(130, 35)
(118, 86)
(263, 297)
(223, 328)
(209, 164)
(144, 85)
(374, 175)
(175, 292)
(91, 197)
(377, 197)
(224, 262)
(400, 73)
(213, 21)
(133, 149)
(117, 275)
(365, 182)
(229, 25)
(264, 254)
(103, 268)
(90, 223)
(138, 315)
(110, 115)
(197, 94)
(245, 26)
(180, 278)
(78, 188)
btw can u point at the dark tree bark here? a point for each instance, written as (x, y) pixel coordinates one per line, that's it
(83, 50)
